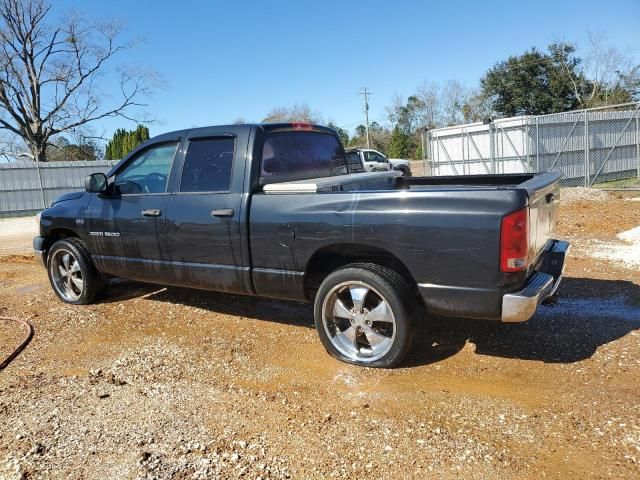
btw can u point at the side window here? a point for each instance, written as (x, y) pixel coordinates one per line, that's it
(295, 155)
(207, 165)
(355, 165)
(375, 157)
(148, 172)
(371, 156)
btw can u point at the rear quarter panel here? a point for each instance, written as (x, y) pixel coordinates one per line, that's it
(445, 238)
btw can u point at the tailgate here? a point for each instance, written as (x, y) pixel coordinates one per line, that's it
(544, 201)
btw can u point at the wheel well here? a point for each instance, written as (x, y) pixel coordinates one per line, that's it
(60, 233)
(331, 258)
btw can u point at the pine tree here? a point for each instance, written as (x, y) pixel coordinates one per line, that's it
(400, 145)
(123, 141)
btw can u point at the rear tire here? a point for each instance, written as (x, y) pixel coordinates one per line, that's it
(363, 315)
(405, 171)
(73, 276)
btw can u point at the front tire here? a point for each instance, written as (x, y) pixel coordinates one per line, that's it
(363, 315)
(72, 274)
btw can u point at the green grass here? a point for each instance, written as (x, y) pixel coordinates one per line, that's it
(624, 183)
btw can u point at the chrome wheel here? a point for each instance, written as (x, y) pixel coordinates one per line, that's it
(358, 321)
(66, 275)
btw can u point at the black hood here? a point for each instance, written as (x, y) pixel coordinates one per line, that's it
(68, 196)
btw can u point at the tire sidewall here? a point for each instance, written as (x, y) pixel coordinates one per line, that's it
(87, 269)
(394, 298)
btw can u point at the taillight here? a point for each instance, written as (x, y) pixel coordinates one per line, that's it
(514, 241)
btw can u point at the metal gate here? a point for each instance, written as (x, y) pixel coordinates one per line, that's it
(595, 147)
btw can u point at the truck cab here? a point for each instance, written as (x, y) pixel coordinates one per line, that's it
(374, 161)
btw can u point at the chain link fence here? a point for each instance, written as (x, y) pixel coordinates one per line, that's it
(597, 147)
(27, 187)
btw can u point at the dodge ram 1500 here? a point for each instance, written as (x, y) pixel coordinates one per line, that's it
(273, 210)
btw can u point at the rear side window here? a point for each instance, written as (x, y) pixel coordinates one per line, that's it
(207, 165)
(355, 165)
(288, 156)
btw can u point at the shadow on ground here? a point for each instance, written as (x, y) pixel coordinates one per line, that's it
(590, 313)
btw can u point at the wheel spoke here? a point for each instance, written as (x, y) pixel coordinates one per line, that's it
(340, 311)
(361, 335)
(380, 314)
(358, 294)
(66, 261)
(373, 337)
(75, 267)
(63, 272)
(77, 281)
(348, 336)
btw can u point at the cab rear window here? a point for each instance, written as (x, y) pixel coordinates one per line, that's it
(288, 156)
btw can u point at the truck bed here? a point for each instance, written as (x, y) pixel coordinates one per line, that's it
(392, 180)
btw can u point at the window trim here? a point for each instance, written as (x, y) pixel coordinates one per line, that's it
(184, 161)
(141, 152)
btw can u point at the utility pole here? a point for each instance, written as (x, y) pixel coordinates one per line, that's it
(366, 94)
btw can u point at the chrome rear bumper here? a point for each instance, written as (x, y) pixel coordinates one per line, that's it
(520, 306)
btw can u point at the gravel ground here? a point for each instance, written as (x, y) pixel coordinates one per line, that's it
(174, 383)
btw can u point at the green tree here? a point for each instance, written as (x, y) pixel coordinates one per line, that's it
(124, 141)
(342, 133)
(378, 135)
(536, 82)
(401, 144)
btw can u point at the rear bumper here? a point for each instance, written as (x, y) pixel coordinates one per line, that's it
(520, 306)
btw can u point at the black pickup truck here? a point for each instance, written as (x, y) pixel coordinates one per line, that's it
(273, 210)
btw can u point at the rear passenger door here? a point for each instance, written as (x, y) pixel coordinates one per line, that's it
(204, 212)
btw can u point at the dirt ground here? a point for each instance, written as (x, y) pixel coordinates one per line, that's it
(172, 383)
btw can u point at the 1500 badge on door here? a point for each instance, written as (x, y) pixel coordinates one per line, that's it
(104, 234)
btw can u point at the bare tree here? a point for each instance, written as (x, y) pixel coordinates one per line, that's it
(394, 110)
(477, 107)
(297, 113)
(601, 64)
(604, 76)
(49, 77)
(454, 97)
(429, 95)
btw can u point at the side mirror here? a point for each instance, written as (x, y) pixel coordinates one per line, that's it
(96, 183)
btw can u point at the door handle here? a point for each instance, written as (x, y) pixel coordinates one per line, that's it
(151, 212)
(223, 212)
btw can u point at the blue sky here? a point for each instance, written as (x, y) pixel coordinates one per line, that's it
(224, 60)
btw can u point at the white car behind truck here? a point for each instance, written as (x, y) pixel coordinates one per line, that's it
(374, 161)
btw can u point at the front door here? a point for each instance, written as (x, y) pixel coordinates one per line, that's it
(127, 225)
(203, 215)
